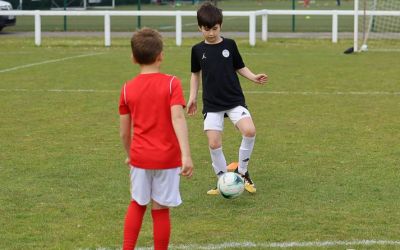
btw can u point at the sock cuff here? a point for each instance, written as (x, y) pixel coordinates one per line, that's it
(215, 150)
(247, 142)
(249, 138)
(156, 212)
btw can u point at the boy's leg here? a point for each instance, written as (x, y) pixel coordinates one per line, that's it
(164, 194)
(217, 155)
(248, 131)
(161, 226)
(133, 224)
(140, 196)
(213, 126)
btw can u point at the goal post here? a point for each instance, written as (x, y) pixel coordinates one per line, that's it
(355, 40)
(376, 25)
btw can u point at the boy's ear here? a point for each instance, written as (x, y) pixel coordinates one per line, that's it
(199, 27)
(160, 57)
(133, 59)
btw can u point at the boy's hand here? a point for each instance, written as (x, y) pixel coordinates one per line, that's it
(191, 107)
(187, 167)
(127, 160)
(257, 78)
(261, 78)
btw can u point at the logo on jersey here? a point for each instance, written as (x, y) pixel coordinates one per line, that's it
(204, 56)
(225, 53)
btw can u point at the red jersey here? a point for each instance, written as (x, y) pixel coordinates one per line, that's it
(148, 98)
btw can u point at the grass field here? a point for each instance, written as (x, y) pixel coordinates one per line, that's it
(326, 161)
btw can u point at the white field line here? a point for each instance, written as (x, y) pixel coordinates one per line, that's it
(232, 245)
(266, 245)
(322, 93)
(61, 90)
(47, 62)
(354, 93)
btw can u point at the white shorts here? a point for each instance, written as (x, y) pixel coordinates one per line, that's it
(161, 186)
(215, 120)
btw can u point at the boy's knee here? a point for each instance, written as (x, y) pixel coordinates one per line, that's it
(249, 132)
(214, 145)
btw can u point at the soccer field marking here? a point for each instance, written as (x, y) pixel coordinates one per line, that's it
(48, 61)
(306, 93)
(61, 90)
(233, 245)
(322, 93)
(266, 245)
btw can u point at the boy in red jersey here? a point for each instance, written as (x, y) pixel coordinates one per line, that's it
(158, 149)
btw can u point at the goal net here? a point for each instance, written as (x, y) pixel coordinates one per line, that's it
(68, 5)
(378, 25)
(100, 4)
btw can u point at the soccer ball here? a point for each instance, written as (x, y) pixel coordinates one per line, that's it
(230, 185)
(364, 47)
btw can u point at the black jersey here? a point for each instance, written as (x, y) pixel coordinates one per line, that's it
(218, 64)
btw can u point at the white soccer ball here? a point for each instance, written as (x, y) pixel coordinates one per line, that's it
(364, 47)
(230, 185)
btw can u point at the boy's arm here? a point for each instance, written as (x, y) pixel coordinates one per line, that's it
(181, 131)
(125, 133)
(257, 78)
(194, 88)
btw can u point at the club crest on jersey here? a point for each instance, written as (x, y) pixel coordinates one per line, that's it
(204, 56)
(225, 53)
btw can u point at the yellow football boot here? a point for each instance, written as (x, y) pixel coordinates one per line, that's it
(248, 182)
(249, 187)
(213, 191)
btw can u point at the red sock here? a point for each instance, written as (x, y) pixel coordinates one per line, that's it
(133, 223)
(161, 228)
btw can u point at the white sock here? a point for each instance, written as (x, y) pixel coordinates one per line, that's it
(245, 150)
(218, 160)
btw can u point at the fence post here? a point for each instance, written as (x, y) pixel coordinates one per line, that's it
(334, 27)
(252, 28)
(38, 28)
(264, 27)
(178, 28)
(107, 30)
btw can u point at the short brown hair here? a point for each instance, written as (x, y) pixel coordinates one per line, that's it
(208, 15)
(146, 45)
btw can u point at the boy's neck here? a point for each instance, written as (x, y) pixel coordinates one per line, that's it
(218, 40)
(148, 69)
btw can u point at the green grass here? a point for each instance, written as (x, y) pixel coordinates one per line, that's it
(326, 164)
(276, 23)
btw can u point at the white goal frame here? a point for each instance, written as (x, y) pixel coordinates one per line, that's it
(357, 47)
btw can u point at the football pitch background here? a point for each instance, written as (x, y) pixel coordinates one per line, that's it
(326, 161)
(280, 23)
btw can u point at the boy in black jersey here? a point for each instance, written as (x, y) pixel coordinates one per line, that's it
(218, 61)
